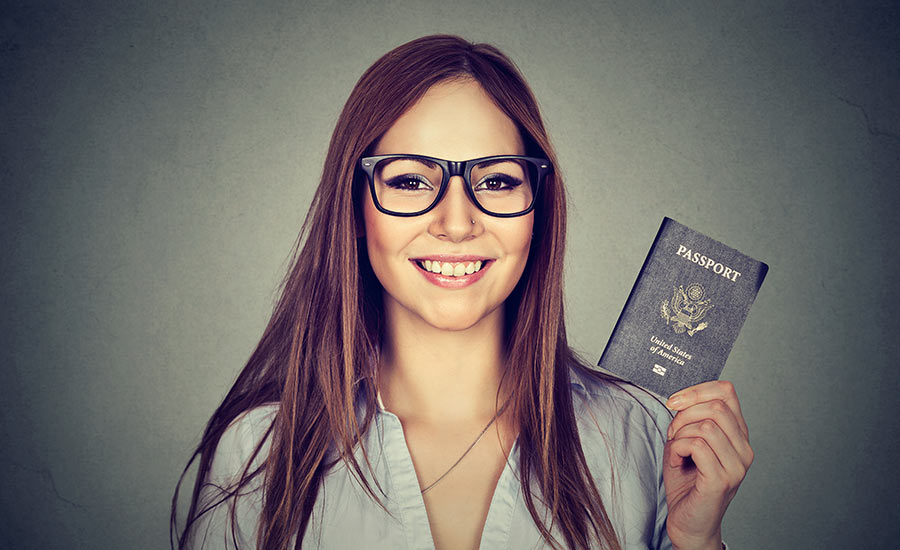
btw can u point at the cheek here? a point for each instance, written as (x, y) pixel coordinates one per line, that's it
(516, 242)
(520, 236)
(375, 233)
(387, 238)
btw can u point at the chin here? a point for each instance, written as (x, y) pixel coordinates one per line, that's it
(453, 325)
(458, 317)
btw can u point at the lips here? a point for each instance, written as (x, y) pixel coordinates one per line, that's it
(452, 272)
(451, 269)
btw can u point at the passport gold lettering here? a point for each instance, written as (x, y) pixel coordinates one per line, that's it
(706, 262)
(660, 342)
(661, 345)
(662, 353)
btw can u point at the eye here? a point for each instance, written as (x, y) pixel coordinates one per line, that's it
(498, 182)
(409, 182)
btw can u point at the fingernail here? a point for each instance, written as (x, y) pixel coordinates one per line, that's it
(674, 401)
(669, 433)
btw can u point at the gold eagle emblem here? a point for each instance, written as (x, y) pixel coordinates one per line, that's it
(686, 309)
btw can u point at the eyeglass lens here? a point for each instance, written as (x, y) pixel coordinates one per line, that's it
(502, 186)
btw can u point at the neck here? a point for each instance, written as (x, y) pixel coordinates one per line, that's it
(430, 374)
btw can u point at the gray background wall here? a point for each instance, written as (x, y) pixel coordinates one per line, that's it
(157, 161)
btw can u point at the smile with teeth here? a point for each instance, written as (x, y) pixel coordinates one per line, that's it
(451, 269)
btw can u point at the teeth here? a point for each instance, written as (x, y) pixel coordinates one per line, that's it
(449, 269)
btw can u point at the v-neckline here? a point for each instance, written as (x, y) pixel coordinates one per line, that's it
(410, 503)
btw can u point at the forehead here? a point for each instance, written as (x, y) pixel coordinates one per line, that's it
(454, 120)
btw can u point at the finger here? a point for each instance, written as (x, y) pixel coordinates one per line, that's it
(723, 416)
(712, 478)
(728, 457)
(708, 466)
(707, 391)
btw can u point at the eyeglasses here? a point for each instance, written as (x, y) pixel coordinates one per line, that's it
(409, 185)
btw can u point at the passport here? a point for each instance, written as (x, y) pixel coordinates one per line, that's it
(684, 312)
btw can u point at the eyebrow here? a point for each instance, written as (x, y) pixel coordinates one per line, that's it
(494, 161)
(428, 163)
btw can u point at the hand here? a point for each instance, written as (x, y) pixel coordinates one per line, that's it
(704, 462)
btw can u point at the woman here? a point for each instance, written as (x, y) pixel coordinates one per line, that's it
(415, 379)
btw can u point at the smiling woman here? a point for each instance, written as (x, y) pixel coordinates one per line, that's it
(454, 119)
(414, 387)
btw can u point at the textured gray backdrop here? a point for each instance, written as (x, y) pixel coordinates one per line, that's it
(157, 162)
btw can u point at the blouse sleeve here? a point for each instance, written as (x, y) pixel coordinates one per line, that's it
(214, 529)
(622, 431)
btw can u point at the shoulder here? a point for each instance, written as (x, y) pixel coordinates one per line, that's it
(239, 442)
(617, 411)
(229, 511)
(600, 389)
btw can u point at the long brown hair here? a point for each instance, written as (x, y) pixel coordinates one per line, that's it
(317, 356)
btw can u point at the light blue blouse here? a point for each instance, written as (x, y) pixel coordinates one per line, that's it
(622, 432)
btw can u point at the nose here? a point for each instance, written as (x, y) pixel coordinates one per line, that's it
(452, 217)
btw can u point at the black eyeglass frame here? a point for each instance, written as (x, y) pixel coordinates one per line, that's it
(452, 168)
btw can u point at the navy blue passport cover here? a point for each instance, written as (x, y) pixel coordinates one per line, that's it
(684, 312)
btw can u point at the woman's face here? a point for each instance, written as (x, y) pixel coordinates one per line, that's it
(454, 120)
